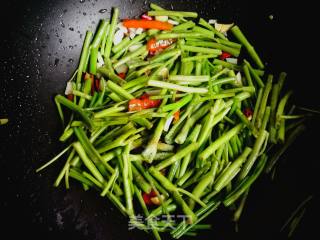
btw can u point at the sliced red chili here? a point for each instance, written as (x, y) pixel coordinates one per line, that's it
(145, 96)
(224, 55)
(155, 46)
(147, 197)
(248, 113)
(151, 45)
(146, 17)
(176, 116)
(70, 97)
(122, 75)
(144, 102)
(97, 84)
(153, 103)
(135, 105)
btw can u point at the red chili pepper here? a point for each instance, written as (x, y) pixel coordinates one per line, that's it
(144, 102)
(146, 17)
(88, 76)
(70, 97)
(176, 116)
(145, 96)
(135, 105)
(147, 197)
(97, 84)
(152, 103)
(153, 45)
(248, 113)
(224, 55)
(122, 75)
(146, 24)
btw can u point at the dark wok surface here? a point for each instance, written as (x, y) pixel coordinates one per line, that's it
(40, 46)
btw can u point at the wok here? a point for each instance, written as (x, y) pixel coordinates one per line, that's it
(40, 46)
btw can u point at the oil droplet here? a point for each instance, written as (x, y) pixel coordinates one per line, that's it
(103, 10)
(56, 61)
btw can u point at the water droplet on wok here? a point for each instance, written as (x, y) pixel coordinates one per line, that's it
(103, 10)
(56, 61)
(62, 24)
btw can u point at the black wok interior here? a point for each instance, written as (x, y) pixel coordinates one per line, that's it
(40, 46)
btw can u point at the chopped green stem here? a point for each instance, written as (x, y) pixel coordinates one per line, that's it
(87, 162)
(281, 107)
(233, 51)
(83, 58)
(172, 13)
(227, 175)
(264, 100)
(150, 152)
(111, 32)
(252, 52)
(162, 84)
(139, 179)
(254, 154)
(179, 155)
(130, 56)
(171, 35)
(296, 211)
(182, 136)
(64, 101)
(200, 49)
(254, 74)
(104, 71)
(205, 32)
(111, 182)
(119, 90)
(207, 25)
(176, 195)
(245, 183)
(126, 181)
(53, 159)
(198, 57)
(183, 26)
(220, 141)
(121, 45)
(290, 139)
(177, 105)
(225, 64)
(4, 121)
